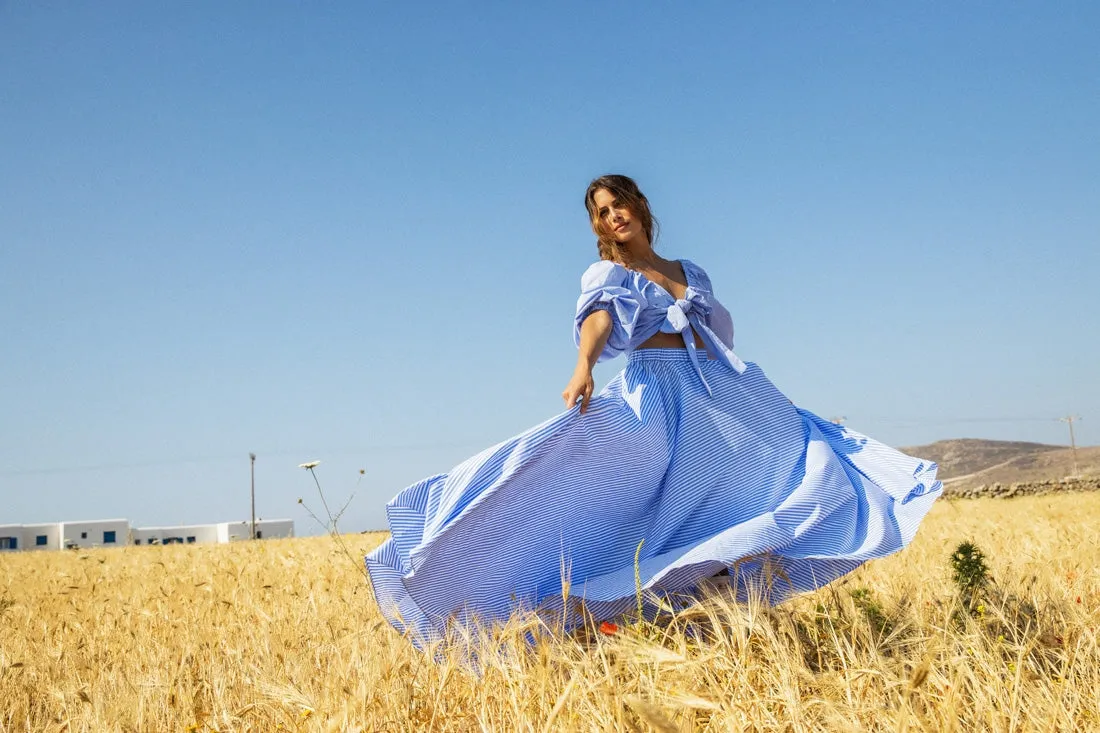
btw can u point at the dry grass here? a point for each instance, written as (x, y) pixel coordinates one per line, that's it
(283, 634)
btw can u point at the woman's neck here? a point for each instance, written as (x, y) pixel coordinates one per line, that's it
(639, 253)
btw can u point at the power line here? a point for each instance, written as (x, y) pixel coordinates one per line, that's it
(952, 420)
(422, 446)
(159, 462)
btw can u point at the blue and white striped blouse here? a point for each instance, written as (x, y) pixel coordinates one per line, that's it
(640, 308)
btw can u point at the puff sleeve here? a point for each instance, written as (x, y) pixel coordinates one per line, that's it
(608, 286)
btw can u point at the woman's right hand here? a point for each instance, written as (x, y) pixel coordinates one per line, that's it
(579, 389)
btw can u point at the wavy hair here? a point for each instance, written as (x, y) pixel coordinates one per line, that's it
(626, 191)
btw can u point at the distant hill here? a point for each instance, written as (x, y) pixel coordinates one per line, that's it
(968, 462)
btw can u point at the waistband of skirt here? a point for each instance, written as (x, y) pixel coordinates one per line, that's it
(666, 354)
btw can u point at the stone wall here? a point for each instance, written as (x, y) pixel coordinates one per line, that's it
(1007, 491)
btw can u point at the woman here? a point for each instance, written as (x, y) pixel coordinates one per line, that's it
(689, 463)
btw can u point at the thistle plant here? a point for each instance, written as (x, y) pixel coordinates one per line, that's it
(970, 574)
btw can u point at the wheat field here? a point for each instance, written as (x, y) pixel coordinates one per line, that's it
(283, 635)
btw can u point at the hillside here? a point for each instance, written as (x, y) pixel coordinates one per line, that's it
(969, 462)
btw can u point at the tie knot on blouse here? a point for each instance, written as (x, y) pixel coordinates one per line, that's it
(693, 303)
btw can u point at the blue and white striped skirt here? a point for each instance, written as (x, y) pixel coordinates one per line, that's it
(742, 479)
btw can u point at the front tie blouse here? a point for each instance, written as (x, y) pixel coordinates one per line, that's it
(640, 308)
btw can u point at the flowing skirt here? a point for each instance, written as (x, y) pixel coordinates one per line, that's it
(743, 480)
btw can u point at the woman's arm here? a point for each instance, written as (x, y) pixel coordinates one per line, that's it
(594, 332)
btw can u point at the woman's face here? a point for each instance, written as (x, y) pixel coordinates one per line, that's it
(618, 219)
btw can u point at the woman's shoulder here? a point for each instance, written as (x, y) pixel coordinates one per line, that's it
(695, 273)
(603, 273)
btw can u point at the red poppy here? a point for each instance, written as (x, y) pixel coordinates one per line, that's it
(609, 628)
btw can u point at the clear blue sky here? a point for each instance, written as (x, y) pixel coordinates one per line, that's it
(354, 232)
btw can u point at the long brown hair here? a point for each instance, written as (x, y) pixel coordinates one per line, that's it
(631, 197)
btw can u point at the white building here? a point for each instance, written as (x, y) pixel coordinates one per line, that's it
(184, 534)
(265, 529)
(11, 537)
(42, 536)
(118, 533)
(30, 536)
(97, 533)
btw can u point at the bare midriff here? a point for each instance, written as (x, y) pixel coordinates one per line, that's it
(661, 340)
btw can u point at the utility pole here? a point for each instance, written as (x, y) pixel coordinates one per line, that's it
(1072, 441)
(252, 458)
